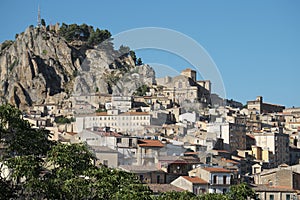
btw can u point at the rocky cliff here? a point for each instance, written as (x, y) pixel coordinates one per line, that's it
(42, 67)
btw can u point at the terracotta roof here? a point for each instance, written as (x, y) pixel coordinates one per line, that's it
(216, 170)
(160, 188)
(230, 161)
(101, 113)
(191, 153)
(71, 133)
(221, 151)
(293, 122)
(264, 188)
(150, 143)
(178, 159)
(195, 180)
(135, 113)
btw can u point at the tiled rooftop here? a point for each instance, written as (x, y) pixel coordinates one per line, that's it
(216, 170)
(160, 188)
(195, 180)
(150, 143)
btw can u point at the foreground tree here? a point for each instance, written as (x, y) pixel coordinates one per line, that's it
(176, 195)
(213, 196)
(241, 192)
(19, 137)
(37, 168)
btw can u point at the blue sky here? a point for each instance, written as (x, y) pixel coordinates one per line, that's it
(255, 44)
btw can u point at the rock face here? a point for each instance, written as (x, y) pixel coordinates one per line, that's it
(41, 67)
(133, 79)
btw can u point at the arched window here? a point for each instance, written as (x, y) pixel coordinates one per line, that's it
(179, 84)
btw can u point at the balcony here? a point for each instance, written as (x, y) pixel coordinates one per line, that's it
(220, 182)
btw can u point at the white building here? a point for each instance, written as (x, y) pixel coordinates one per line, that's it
(219, 179)
(188, 117)
(128, 122)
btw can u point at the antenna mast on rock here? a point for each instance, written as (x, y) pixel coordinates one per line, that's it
(39, 17)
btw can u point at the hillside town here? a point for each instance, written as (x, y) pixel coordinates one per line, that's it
(176, 135)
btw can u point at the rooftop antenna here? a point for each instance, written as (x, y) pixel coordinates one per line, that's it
(39, 17)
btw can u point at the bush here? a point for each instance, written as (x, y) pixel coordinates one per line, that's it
(83, 32)
(63, 120)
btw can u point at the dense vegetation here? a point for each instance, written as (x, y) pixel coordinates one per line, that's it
(42, 169)
(142, 90)
(63, 120)
(83, 32)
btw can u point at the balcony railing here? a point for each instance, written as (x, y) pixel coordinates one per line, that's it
(220, 182)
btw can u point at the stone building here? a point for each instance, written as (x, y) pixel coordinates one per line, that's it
(283, 176)
(219, 179)
(277, 143)
(192, 184)
(185, 87)
(265, 192)
(259, 107)
(233, 134)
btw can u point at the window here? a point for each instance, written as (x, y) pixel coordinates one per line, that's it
(224, 179)
(215, 179)
(288, 197)
(271, 197)
(119, 140)
(180, 85)
(105, 162)
(158, 179)
(224, 190)
(141, 177)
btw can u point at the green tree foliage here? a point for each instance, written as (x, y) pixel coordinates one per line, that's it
(124, 50)
(18, 136)
(6, 189)
(176, 195)
(98, 36)
(212, 196)
(40, 169)
(43, 22)
(241, 192)
(142, 90)
(139, 61)
(133, 56)
(63, 120)
(83, 32)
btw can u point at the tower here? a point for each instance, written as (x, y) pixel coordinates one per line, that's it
(189, 73)
(39, 17)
